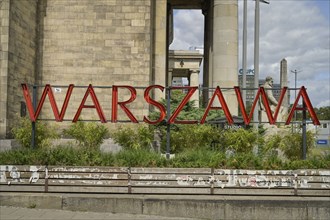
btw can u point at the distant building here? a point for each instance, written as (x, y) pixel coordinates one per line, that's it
(250, 96)
(323, 134)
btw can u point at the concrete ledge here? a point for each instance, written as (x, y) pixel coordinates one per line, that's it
(203, 207)
(8, 144)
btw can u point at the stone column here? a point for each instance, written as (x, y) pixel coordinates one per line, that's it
(159, 46)
(224, 70)
(194, 81)
(4, 46)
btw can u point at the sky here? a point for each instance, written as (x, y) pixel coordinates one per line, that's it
(297, 30)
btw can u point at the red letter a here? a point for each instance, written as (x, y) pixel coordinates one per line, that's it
(90, 91)
(218, 93)
(303, 93)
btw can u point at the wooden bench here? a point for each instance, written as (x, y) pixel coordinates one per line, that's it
(179, 181)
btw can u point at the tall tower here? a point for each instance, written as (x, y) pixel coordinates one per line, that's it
(284, 81)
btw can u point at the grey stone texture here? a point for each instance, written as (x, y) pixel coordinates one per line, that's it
(81, 42)
(18, 56)
(178, 206)
(103, 43)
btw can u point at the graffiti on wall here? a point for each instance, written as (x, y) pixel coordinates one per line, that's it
(15, 174)
(221, 178)
(270, 179)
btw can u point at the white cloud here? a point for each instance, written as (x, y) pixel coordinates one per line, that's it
(290, 29)
(188, 29)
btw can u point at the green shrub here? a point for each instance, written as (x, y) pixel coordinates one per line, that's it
(59, 156)
(244, 161)
(139, 158)
(68, 156)
(198, 158)
(88, 134)
(22, 132)
(240, 140)
(192, 137)
(137, 138)
(291, 144)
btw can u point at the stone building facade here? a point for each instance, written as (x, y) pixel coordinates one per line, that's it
(103, 43)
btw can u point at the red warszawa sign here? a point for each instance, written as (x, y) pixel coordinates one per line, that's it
(217, 94)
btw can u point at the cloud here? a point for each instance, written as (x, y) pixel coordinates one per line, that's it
(188, 29)
(295, 30)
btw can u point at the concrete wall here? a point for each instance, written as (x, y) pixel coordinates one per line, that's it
(200, 207)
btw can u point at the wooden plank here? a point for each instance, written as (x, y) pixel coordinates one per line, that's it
(302, 172)
(96, 183)
(314, 192)
(87, 169)
(179, 191)
(75, 175)
(22, 188)
(253, 191)
(23, 182)
(9, 168)
(177, 171)
(168, 177)
(25, 174)
(86, 189)
(169, 184)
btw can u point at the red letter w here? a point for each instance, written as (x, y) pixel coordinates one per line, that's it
(47, 91)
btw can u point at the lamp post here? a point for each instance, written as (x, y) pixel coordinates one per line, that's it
(244, 50)
(256, 54)
(295, 89)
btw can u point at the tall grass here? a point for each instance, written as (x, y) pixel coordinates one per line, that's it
(200, 158)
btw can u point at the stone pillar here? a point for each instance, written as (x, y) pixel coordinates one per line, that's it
(194, 81)
(4, 46)
(284, 81)
(159, 46)
(224, 70)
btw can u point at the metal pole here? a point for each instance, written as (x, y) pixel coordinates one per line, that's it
(295, 89)
(33, 133)
(244, 49)
(168, 128)
(256, 56)
(295, 92)
(256, 59)
(304, 138)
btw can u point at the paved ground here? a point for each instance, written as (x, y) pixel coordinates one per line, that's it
(45, 214)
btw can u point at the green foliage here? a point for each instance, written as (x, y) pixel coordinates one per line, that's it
(61, 156)
(88, 134)
(140, 158)
(22, 132)
(244, 161)
(189, 111)
(192, 137)
(198, 158)
(291, 144)
(271, 144)
(240, 140)
(70, 156)
(137, 138)
(323, 113)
